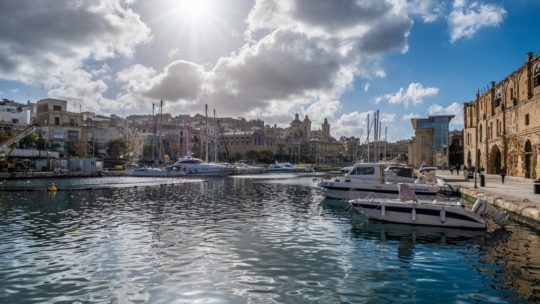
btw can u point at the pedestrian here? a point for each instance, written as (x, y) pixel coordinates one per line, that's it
(451, 169)
(457, 169)
(503, 174)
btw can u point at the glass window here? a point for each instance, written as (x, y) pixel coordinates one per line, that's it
(498, 97)
(364, 171)
(536, 76)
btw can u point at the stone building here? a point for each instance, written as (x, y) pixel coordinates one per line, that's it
(296, 143)
(58, 126)
(502, 124)
(430, 145)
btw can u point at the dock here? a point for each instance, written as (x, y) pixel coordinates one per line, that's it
(516, 195)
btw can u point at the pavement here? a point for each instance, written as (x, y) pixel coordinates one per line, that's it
(516, 195)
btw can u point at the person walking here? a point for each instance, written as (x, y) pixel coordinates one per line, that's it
(503, 174)
(457, 169)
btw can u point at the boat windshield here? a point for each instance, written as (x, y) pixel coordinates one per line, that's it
(362, 171)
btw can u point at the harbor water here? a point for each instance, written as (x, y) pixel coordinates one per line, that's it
(259, 239)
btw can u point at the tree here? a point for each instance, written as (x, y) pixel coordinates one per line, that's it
(3, 136)
(266, 156)
(252, 155)
(79, 148)
(116, 148)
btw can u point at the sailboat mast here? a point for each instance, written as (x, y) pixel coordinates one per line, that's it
(368, 137)
(206, 131)
(160, 138)
(214, 126)
(153, 141)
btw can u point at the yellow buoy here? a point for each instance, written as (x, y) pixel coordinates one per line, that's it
(52, 188)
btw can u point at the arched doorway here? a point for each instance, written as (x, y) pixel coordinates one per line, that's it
(495, 157)
(528, 159)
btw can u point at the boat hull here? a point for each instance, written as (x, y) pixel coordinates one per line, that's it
(346, 190)
(440, 215)
(156, 173)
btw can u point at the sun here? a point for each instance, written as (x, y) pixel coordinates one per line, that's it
(196, 8)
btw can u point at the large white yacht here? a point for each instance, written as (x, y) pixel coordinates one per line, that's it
(156, 172)
(286, 167)
(192, 166)
(370, 177)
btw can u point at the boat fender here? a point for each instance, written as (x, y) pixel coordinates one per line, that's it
(52, 188)
(479, 207)
(383, 210)
(414, 214)
(443, 215)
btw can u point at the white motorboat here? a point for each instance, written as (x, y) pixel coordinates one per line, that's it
(192, 166)
(286, 167)
(156, 172)
(371, 177)
(243, 168)
(407, 210)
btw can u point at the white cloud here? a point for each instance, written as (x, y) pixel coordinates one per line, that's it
(428, 10)
(408, 116)
(366, 87)
(388, 117)
(352, 124)
(455, 109)
(414, 94)
(466, 19)
(299, 53)
(173, 53)
(48, 42)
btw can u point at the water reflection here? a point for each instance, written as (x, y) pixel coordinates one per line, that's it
(507, 257)
(239, 240)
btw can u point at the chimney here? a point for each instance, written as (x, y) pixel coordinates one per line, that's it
(529, 56)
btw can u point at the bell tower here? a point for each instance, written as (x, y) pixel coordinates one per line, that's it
(326, 127)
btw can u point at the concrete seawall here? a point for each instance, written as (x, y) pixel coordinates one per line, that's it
(516, 195)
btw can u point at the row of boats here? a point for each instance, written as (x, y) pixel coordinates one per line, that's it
(379, 183)
(370, 188)
(191, 166)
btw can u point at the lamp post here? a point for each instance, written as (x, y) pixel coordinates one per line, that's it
(474, 172)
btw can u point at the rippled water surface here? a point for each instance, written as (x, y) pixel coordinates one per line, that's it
(244, 240)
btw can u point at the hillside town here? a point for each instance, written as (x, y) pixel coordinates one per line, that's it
(54, 132)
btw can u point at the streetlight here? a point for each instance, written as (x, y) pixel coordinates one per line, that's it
(474, 172)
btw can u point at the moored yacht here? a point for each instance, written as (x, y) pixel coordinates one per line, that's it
(370, 177)
(243, 168)
(286, 167)
(408, 210)
(155, 172)
(192, 166)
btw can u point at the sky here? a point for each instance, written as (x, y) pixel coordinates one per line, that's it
(266, 59)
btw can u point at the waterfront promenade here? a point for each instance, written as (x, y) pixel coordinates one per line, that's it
(516, 195)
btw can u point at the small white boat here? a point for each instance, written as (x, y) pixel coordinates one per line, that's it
(371, 177)
(407, 210)
(286, 167)
(243, 168)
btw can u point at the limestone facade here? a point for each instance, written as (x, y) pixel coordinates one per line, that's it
(502, 124)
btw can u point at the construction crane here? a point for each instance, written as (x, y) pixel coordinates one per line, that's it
(7, 146)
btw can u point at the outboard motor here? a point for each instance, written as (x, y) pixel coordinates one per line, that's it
(483, 208)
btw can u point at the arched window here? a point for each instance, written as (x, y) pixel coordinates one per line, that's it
(480, 133)
(536, 76)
